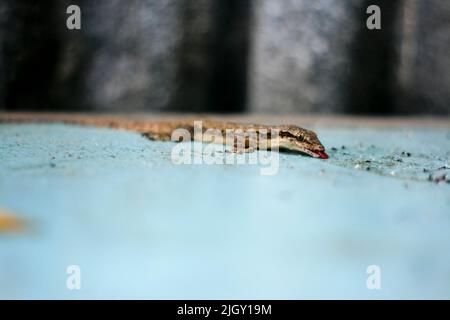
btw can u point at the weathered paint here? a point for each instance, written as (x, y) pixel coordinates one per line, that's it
(139, 226)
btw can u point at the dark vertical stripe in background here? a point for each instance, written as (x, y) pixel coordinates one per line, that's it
(373, 57)
(30, 53)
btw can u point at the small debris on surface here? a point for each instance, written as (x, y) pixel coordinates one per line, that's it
(52, 165)
(368, 161)
(406, 154)
(334, 149)
(441, 178)
(436, 175)
(357, 166)
(399, 160)
(368, 169)
(343, 147)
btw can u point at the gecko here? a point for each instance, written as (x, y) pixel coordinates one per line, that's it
(286, 138)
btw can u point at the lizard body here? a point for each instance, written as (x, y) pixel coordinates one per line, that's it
(283, 137)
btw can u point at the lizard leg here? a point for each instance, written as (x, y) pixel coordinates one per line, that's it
(247, 147)
(156, 137)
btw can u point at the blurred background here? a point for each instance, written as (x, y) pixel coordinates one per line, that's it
(226, 56)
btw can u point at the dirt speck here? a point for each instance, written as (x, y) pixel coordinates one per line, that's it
(441, 178)
(406, 154)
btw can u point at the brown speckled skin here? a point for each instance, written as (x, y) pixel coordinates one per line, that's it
(283, 137)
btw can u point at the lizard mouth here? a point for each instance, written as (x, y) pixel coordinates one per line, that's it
(312, 153)
(319, 154)
(316, 154)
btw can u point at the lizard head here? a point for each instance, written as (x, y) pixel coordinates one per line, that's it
(301, 140)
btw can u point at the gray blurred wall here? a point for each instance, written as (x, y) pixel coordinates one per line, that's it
(266, 56)
(423, 70)
(300, 59)
(123, 57)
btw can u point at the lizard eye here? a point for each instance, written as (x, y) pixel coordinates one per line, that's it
(285, 134)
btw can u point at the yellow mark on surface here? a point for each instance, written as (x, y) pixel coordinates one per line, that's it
(10, 222)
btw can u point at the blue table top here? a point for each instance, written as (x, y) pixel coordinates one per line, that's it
(139, 226)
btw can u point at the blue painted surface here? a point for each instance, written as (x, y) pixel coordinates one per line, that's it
(139, 226)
